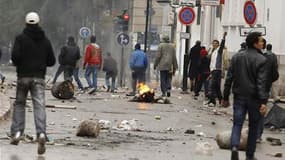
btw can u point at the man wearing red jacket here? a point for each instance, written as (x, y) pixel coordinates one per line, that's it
(92, 62)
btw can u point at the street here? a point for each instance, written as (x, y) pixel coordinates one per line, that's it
(155, 139)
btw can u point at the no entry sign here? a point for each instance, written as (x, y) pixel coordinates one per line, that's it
(250, 13)
(187, 15)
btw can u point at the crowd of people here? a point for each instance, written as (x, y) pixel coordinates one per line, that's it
(250, 75)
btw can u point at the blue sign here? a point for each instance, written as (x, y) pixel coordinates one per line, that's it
(85, 32)
(123, 39)
(250, 13)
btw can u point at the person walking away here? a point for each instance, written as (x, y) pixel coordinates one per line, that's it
(194, 57)
(273, 75)
(216, 68)
(92, 63)
(110, 67)
(203, 73)
(165, 62)
(58, 72)
(1, 75)
(138, 64)
(68, 57)
(247, 76)
(32, 53)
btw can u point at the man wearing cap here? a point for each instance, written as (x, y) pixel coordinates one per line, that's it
(32, 53)
(165, 62)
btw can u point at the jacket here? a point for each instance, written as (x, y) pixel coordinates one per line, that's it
(69, 55)
(217, 57)
(194, 57)
(166, 58)
(247, 76)
(110, 65)
(32, 53)
(93, 55)
(138, 60)
(272, 66)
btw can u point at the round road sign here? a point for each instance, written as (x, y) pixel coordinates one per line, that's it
(187, 15)
(250, 13)
(85, 32)
(123, 39)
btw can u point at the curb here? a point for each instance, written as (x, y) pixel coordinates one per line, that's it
(5, 107)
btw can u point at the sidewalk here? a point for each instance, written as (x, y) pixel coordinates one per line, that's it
(5, 107)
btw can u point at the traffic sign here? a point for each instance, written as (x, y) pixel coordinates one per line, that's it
(244, 31)
(250, 13)
(123, 39)
(85, 32)
(187, 15)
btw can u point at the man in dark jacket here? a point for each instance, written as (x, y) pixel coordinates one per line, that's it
(110, 67)
(247, 76)
(194, 57)
(32, 54)
(2, 78)
(68, 57)
(273, 75)
(138, 64)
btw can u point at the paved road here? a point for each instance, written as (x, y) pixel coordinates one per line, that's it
(153, 143)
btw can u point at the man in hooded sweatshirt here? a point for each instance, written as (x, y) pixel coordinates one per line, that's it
(32, 54)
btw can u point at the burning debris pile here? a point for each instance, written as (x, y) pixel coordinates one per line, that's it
(147, 95)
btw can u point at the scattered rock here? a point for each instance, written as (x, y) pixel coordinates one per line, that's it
(170, 129)
(128, 125)
(105, 124)
(274, 141)
(157, 117)
(88, 129)
(224, 139)
(201, 134)
(204, 148)
(190, 131)
(213, 123)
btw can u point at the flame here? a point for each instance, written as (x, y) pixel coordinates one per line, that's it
(143, 88)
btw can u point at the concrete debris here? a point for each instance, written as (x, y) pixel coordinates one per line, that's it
(105, 124)
(184, 111)
(170, 129)
(88, 128)
(74, 119)
(128, 125)
(224, 139)
(157, 117)
(189, 131)
(201, 134)
(60, 106)
(274, 141)
(204, 148)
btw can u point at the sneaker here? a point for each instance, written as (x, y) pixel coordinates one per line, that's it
(91, 91)
(2, 80)
(234, 154)
(168, 94)
(108, 89)
(131, 94)
(41, 144)
(211, 105)
(16, 138)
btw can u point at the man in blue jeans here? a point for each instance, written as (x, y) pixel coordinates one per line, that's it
(32, 54)
(247, 76)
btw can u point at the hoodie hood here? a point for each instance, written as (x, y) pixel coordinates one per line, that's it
(35, 32)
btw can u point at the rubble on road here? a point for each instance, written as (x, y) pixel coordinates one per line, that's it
(88, 128)
(105, 124)
(224, 139)
(189, 131)
(204, 148)
(274, 141)
(63, 90)
(60, 106)
(128, 125)
(276, 155)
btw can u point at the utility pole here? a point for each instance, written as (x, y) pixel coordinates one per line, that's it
(146, 25)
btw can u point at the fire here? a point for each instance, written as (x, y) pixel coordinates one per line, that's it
(143, 88)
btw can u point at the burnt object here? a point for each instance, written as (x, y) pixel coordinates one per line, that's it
(63, 90)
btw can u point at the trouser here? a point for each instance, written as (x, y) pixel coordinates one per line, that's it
(112, 76)
(138, 76)
(76, 77)
(36, 86)
(91, 70)
(165, 82)
(260, 128)
(60, 69)
(1, 76)
(68, 72)
(242, 106)
(200, 81)
(215, 86)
